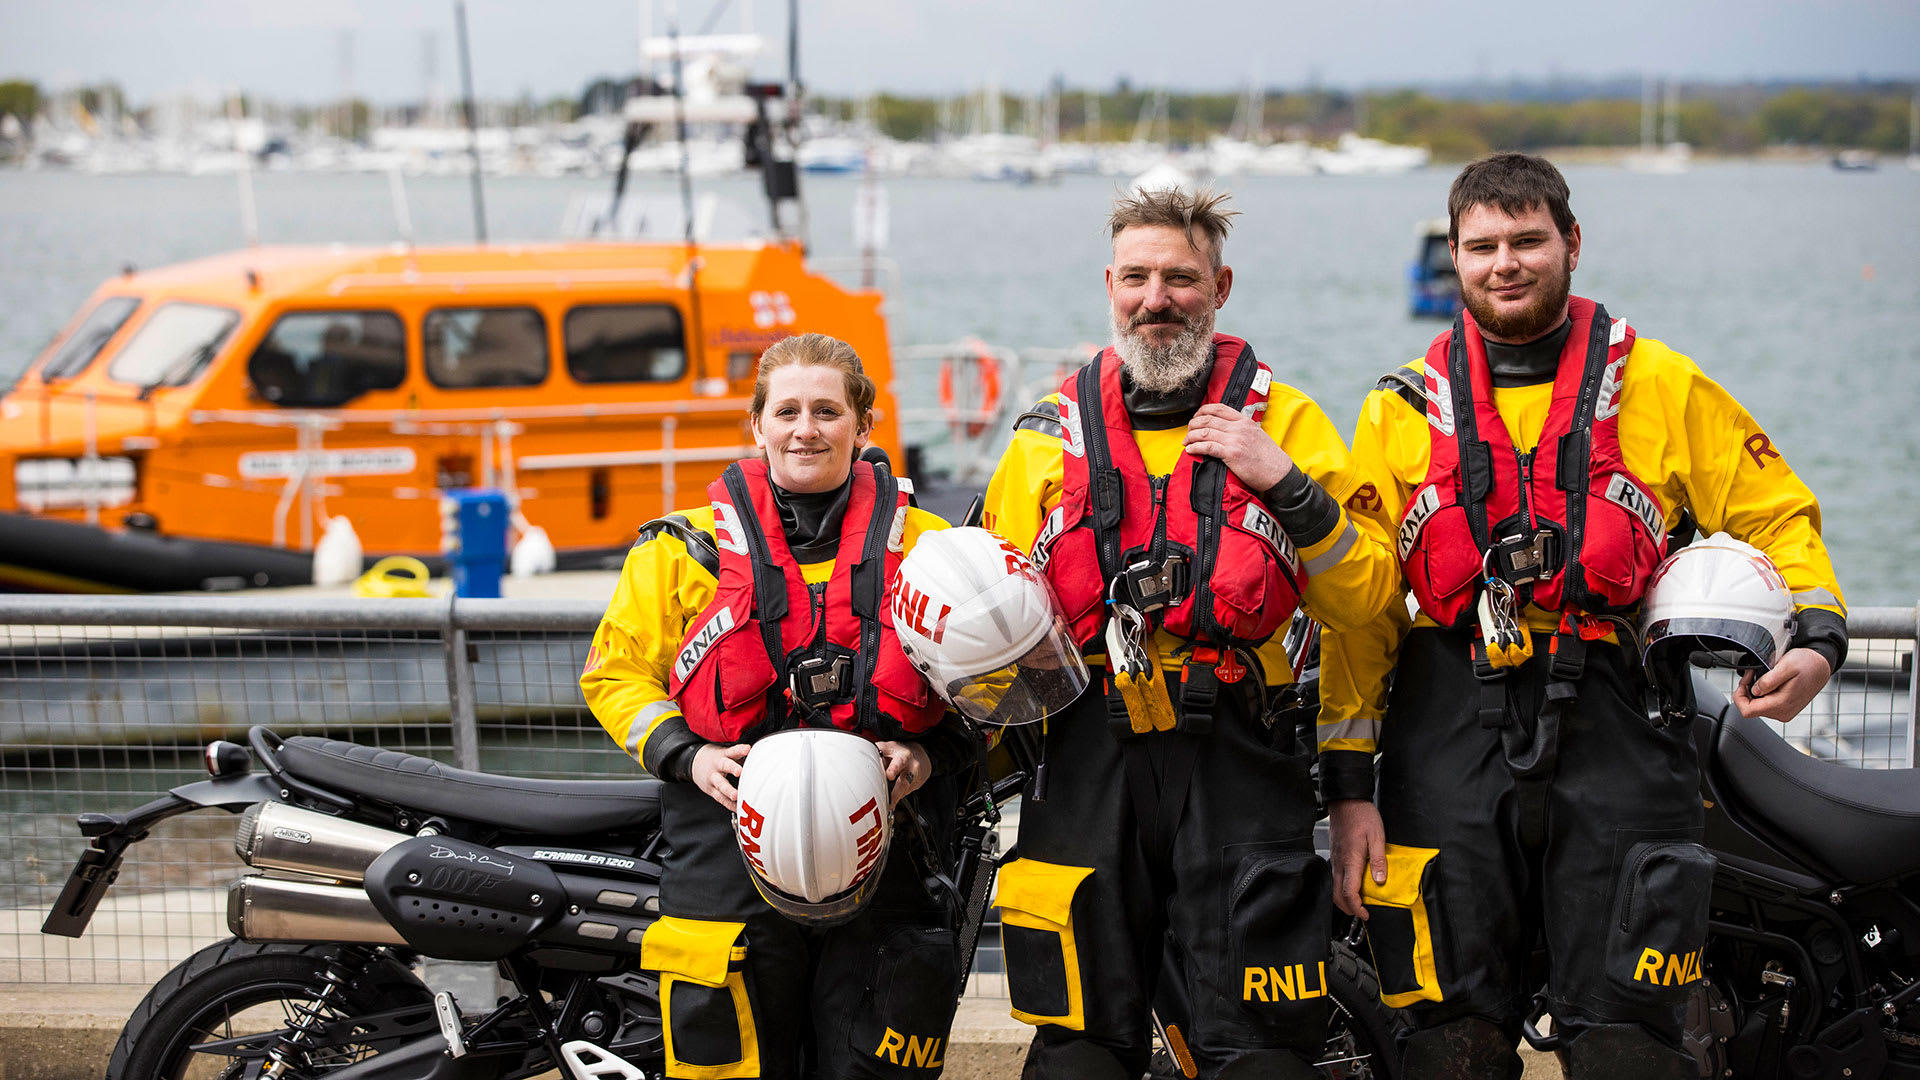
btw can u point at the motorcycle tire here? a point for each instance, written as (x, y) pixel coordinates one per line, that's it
(235, 987)
(1362, 1033)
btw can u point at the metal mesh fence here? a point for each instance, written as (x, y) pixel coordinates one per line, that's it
(106, 704)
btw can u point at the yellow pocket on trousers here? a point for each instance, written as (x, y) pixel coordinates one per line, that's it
(1399, 930)
(706, 1017)
(1036, 928)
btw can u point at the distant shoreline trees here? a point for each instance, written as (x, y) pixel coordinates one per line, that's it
(1726, 120)
(1713, 118)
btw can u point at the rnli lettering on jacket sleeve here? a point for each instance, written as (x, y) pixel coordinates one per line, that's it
(1242, 577)
(1485, 507)
(764, 656)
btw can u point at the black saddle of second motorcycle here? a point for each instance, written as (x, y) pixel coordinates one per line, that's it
(554, 808)
(1863, 824)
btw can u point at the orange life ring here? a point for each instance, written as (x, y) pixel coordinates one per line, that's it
(988, 366)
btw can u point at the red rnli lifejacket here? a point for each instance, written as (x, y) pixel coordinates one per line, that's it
(1196, 551)
(1567, 524)
(765, 655)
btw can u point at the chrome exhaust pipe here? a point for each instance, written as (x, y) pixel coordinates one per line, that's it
(275, 836)
(263, 908)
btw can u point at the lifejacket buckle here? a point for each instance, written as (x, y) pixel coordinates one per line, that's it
(820, 680)
(1527, 557)
(1149, 586)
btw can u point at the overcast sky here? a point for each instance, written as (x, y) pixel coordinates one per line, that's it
(310, 51)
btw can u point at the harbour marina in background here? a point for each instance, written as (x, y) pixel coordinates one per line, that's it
(202, 417)
(1810, 343)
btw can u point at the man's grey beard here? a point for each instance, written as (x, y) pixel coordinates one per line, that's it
(1169, 368)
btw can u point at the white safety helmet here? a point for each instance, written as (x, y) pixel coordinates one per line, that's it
(1717, 601)
(983, 626)
(814, 823)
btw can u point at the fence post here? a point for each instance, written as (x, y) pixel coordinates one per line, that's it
(466, 731)
(1913, 690)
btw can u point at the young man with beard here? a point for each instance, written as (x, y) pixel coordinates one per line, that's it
(1182, 502)
(1534, 464)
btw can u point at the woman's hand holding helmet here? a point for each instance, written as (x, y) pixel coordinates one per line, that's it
(1780, 692)
(715, 768)
(907, 767)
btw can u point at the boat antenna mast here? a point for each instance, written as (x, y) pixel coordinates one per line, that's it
(696, 336)
(473, 134)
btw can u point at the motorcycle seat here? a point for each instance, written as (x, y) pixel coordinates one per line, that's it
(1864, 824)
(556, 808)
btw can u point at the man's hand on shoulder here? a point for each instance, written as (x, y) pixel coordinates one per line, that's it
(1252, 455)
(1780, 694)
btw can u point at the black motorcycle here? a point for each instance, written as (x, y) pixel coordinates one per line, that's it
(1812, 963)
(370, 860)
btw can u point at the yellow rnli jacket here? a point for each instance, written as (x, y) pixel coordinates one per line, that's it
(1680, 433)
(664, 585)
(1350, 564)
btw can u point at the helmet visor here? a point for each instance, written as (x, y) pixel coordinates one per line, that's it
(1732, 643)
(827, 911)
(1043, 681)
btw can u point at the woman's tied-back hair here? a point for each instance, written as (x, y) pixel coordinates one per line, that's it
(818, 350)
(1514, 182)
(1183, 210)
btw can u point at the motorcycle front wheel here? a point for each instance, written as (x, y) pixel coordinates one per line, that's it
(233, 1008)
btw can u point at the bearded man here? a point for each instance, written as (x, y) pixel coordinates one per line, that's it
(1536, 464)
(1183, 503)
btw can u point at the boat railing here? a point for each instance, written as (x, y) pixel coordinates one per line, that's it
(495, 428)
(866, 273)
(106, 701)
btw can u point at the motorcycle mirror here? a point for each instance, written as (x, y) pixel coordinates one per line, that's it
(227, 759)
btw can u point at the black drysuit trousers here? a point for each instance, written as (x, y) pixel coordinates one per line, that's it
(1576, 826)
(871, 997)
(1218, 913)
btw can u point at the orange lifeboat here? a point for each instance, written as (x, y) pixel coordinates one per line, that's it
(197, 425)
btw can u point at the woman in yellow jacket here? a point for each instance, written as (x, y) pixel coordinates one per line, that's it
(685, 674)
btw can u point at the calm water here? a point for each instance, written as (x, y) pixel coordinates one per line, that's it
(1796, 286)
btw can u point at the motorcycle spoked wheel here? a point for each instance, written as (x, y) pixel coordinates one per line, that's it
(1362, 1033)
(237, 988)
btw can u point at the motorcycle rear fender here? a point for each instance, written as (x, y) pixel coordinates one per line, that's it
(113, 834)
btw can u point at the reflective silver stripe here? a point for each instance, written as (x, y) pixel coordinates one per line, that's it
(1331, 557)
(643, 722)
(1356, 728)
(1818, 597)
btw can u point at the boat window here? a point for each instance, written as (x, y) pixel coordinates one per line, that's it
(1438, 258)
(174, 345)
(320, 359)
(472, 347)
(86, 341)
(626, 343)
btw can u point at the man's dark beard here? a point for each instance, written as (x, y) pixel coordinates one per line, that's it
(1164, 368)
(1546, 312)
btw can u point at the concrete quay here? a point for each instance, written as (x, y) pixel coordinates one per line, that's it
(62, 1031)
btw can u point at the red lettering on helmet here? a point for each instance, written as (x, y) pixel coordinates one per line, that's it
(1016, 559)
(751, 820)
(940, 623)
(868, 845)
